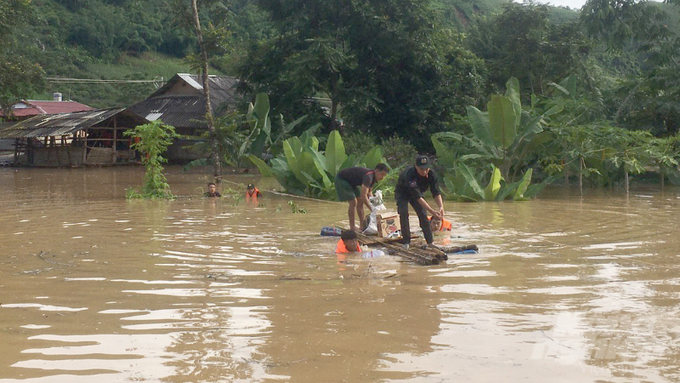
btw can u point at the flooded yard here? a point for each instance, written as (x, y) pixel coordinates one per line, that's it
(95, 288)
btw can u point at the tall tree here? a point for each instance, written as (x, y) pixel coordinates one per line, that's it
(18, 76)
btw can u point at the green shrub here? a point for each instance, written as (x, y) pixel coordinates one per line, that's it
(152, 140)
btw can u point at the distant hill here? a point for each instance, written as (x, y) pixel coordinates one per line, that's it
(140, 40)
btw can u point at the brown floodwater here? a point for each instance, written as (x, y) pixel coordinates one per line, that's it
(95, 288)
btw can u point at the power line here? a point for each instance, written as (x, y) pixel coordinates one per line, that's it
(100, 81)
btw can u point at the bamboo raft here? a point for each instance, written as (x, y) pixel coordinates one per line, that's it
(420, 254)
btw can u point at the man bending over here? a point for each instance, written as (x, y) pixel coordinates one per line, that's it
(354, 186)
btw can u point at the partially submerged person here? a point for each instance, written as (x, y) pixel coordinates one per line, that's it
(348, 243)
(212, 191)
(252, 192)
(438, 224)
(411, 185)
(354, 185)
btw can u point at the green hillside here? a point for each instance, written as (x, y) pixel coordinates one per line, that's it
(144, 40)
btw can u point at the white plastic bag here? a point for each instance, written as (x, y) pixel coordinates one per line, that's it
(376, 206)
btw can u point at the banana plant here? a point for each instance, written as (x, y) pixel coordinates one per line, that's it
(265, 136)
(302, 169)
(465, 186)
(504, 136)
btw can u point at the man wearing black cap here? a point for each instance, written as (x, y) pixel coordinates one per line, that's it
(411, 185)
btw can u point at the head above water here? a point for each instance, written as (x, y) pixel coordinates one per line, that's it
(435, 223)
(423, 165)
(251, 186)
(212, 187)
(381, 171)
(349, 237)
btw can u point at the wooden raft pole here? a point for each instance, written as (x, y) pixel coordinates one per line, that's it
(414, 254)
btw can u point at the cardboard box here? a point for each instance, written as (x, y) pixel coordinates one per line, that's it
(387, 224)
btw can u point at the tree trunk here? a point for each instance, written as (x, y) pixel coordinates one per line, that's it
(663, 178)
(627, 184)
(334, 111)
(210, 121)
(580, 175)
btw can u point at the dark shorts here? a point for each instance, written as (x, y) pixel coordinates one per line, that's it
(346, 192)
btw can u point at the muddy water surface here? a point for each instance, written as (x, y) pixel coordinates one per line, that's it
(94, 288)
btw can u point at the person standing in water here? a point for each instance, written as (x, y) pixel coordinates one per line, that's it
(212, 191)
(252, 192)
(411, 185)
(354, 185)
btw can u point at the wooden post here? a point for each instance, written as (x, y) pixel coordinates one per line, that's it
(68, 150)
(85, 146)
(115, 137)
(580, 175)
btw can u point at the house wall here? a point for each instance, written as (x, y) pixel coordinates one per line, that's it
(181, 152)
(57, 156)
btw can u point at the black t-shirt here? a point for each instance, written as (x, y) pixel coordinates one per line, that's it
(208, 194)
(357, 176)
(411, 185)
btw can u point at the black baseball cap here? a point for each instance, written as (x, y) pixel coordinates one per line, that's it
(423, 162)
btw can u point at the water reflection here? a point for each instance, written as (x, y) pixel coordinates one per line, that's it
(98, 288)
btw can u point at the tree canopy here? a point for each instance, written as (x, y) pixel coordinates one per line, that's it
(386, 65)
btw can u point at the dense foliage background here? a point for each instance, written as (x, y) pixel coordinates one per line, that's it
(395, 71)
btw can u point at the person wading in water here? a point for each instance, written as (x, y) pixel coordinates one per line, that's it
(411, 185)
(347, 184)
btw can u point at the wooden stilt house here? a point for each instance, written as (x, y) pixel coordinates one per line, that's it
(93, 137)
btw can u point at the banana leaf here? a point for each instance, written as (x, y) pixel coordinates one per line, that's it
(292, 159)
(444, 155)
(349, 162)
(265, 170)
(522, 187)
(512, 94)
(503, 120)
(471, 180)
(494, 186)
(479, 122)
(373, 157)
(458, 190)
(335, 153)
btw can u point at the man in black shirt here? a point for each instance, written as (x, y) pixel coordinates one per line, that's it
(347, 183)
(412, 182)
(212, 191)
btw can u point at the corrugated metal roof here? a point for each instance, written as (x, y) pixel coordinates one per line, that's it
(188, 110)
(180, 111)
(35, 107)
(222, 88)
(64, 123)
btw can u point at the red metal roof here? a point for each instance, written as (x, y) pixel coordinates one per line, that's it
(34, 108)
